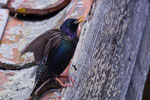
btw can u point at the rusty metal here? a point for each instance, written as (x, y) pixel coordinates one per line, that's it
(22, 9)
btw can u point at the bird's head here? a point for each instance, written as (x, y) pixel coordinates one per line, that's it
(70, 26)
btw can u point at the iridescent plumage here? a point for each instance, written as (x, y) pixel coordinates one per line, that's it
(53, 51)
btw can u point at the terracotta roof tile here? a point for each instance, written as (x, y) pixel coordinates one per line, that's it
(4, 14)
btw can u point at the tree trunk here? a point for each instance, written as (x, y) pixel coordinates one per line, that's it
(113, 55)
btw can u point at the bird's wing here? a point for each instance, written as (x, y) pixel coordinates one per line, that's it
(43, 44)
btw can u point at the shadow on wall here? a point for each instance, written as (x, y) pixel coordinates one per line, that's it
(146, 93)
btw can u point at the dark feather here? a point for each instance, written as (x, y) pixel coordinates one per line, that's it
(42, 75)
(43, 44)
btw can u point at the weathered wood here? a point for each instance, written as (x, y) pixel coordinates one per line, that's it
(141, 69)
(110, 51)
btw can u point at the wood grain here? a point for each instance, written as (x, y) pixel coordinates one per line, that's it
(110, 48)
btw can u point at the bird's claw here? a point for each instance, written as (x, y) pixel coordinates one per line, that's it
(72, 80)
(66, 85)
(72, 84)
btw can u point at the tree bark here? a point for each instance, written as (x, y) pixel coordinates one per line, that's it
(113, 55)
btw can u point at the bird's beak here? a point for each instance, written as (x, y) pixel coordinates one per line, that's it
(80, 19)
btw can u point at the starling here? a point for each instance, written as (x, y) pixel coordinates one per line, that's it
(53, 51)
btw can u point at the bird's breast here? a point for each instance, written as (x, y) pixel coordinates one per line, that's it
(61, 57)
(64, 50)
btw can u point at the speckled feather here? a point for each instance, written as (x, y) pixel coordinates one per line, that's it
(53, 51)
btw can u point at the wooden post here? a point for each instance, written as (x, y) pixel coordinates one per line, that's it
(113, 55)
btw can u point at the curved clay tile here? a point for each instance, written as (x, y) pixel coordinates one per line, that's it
(36, 7)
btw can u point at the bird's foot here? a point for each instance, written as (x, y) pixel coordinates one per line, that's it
(62, 84)
(68, 78)
(66, 85)
(72, 80)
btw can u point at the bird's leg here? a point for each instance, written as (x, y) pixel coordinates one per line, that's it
(64, 78)
(67, 78)
(61, 83)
